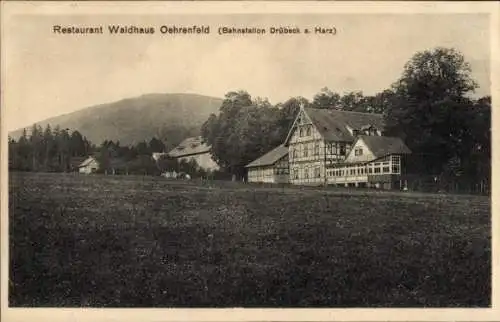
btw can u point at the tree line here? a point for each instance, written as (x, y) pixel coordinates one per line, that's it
(47, 149)
(429, 107)
(62, 150)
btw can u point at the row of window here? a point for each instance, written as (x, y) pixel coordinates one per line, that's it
(307, 173)
(370, 131)
(372, 168)
(305, 151)
(314, 149)
(383, 167)
(363, 171)
(305, 130)
(268, 172)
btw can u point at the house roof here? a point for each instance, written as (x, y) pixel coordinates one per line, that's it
(75, 162)
(190, 146)
(87, 161)
(384, 145)
(270, 157)
(333, 124)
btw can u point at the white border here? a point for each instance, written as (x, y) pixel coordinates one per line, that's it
(155, 8)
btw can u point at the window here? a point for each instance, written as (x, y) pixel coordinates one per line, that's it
(301, 132)
(295, 154)
(376, 170)
(295, 173)
(316, 149)
(306, 150)
(306, 173)
(333, 147)
(370, 170)
(358, 151)
(308, 130)
(353, 172)
(386, 169)
(342, 150)
(317, 172)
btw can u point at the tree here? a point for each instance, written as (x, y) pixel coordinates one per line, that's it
(221, 132)
(429, 106)
(326, 99)
(378, 103)
(47, 148)
(36, 146)
(288, 112)
(351, 101)
(143, 148)
(78, 145)
(156, 145)
(245, 129)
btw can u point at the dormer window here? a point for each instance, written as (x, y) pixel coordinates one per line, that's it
(308, 132)
(358, 151)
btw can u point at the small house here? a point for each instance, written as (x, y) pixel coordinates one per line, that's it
(89, 165)
(195, 149)
(272, 167)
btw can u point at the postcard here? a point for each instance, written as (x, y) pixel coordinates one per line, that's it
(249, 161)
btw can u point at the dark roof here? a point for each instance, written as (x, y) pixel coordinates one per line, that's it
(270, 157)
(75, 162)
(332, 124)
(385, 145)
(190, 146)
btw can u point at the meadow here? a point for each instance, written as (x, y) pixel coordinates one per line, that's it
(125, 241)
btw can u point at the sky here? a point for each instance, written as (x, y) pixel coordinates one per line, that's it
(47, 74)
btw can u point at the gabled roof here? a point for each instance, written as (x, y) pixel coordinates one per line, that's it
(87, 161)
(75, 162)
(190, 146)
(270, 157)
(332, 124)
(381, 146)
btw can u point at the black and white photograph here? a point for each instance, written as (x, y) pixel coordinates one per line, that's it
(175, 156)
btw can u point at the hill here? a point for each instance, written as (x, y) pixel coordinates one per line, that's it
(170, 117)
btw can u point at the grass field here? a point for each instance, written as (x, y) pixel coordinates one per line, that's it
(123, 241)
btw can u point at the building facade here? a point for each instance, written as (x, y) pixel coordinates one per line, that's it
(272, 167)
(333, 147)
(89, 165)
(194, 149)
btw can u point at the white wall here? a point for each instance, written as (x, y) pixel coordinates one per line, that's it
(89, 168)
(366, 156)
(204, 160)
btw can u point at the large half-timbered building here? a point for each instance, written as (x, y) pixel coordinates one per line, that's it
(332, 147)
